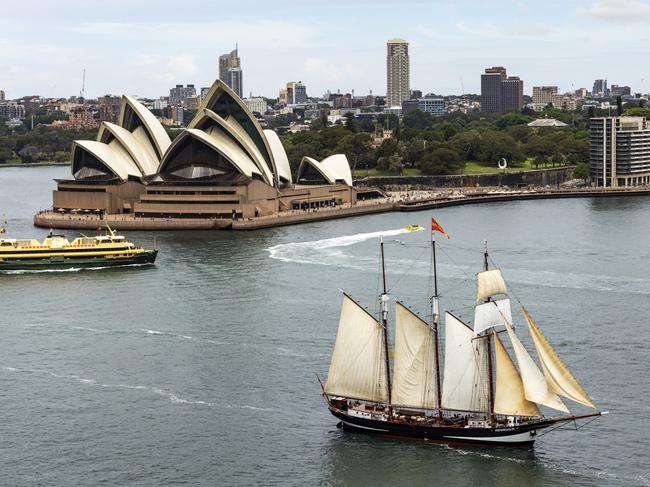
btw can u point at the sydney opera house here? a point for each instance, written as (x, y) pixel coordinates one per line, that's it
(222, 167)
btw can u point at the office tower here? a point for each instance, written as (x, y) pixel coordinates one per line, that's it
(397, 72)
(230, 71)
(600, 88)
(179, 93)
(499, 92)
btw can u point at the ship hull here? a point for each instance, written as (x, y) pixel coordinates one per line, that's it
(77, 262)
(516, 436)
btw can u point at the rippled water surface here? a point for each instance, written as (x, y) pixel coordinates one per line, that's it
(202, 369)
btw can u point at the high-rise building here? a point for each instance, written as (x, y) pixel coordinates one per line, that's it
(600, 88)
(179, 93)
(109, 108)
(296, 93)
(2, 95)
(398, 75)
(176, 114)
(616, 90)
(230, 71)
(11, 109)
(499, 92)
(619, 153)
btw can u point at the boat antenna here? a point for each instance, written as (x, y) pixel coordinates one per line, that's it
(384, 319)
(435, 320)
(489, 344)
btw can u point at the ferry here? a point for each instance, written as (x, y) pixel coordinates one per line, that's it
(56, 252)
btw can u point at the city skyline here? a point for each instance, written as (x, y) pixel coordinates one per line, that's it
(139, 56)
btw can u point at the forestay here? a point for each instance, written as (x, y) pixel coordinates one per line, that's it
(535, 386)
(491, 314)
(414, 372)
(466, 382)
(560, 379)
(509, 397)
(358, 368)
(490, 283)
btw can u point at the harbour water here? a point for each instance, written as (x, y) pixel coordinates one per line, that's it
(202, 369)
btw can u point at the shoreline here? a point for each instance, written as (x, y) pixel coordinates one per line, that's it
(399, 202)
(35, 164)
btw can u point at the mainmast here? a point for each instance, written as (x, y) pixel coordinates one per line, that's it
(489, 346)
(384, 318)
(435, 320)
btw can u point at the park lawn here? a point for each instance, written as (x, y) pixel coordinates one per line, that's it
(471, 167)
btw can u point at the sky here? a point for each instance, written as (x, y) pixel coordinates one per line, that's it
(145, 47)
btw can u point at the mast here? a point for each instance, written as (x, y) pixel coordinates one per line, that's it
(489, 347)
(384, 318)
(435, 319)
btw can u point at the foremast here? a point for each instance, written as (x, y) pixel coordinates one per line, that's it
(384, 320)
(435, 321)
(488, 338)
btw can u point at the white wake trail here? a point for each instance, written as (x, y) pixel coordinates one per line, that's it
(324, 252)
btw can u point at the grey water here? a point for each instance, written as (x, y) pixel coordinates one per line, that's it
(201, 370)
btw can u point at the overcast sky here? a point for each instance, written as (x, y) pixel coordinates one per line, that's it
(144, 47)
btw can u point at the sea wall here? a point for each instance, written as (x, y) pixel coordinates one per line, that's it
(541, 177)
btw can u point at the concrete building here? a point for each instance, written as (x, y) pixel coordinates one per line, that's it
(257, 105)
(177, 113)
(2, 95)
(542, 96)
(230, 71)
(179, 93)
(433, 105)
(619, 153)
(617, 90)
(160, 104)
(397, 73)
(600, 88)
(499, 92)
(222, 167)
(296, 93)
(109, 108)
(81, 117)
(11, 110)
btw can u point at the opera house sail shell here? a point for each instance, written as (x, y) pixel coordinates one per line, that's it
(223, 166)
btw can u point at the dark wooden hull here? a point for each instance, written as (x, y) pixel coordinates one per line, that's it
(519, 436)
(80, 262)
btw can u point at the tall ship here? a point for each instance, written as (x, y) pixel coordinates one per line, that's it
(57, 252)
(479, 397)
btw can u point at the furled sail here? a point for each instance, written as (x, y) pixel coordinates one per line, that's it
(414, 373)
(491, 314)
(535, 386)
(559, 377)
(490, 283)
(509, 397)
(358, 367)
(466, 381)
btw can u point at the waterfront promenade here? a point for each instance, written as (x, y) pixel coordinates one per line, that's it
(415, 200)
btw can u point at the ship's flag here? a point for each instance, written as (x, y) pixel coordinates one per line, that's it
(435, 227)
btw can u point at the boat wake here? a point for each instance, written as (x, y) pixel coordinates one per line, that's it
(71, 269)
(322, 252)
(165, 393)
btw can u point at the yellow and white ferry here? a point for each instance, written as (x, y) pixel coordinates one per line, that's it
(57, 252)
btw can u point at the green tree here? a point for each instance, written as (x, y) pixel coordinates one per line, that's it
(581, 171)
(441, 161)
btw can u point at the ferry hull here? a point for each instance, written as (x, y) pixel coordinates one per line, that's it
(517, 436)
(81, 262)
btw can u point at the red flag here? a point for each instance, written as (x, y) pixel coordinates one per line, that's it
(435, 227)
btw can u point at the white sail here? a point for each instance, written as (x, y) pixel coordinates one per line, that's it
(535, 386)
(557, 374)
(491, 314)
(465, 384)
(414, 372)
(490, 283)
(509, 397)
(358, 364)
